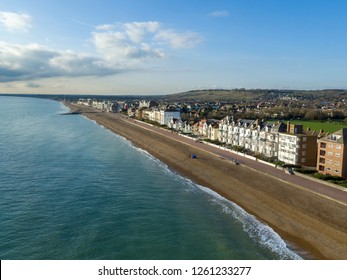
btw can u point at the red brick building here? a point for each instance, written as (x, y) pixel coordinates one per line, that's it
(332, 154)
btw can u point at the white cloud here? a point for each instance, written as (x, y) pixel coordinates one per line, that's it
(105, 27)
(27, 62)
(77, 64)
(222, 13)
(178, 40)
(135, 42)
(15, 21)
(119, 48)
(137, 30)
(129, 43)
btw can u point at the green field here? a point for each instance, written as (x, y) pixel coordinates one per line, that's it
(318, 125)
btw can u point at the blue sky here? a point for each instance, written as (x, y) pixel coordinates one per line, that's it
(162, 47)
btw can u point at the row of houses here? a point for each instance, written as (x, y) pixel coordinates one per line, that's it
(285, 142)
(105, 106)
(160, 115)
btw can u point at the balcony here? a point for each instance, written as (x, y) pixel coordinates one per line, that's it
(322, 153)
(323, 145)
(322, 160)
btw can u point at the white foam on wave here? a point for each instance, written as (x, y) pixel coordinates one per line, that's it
(93, 121)
(256, 230)
(161, 164)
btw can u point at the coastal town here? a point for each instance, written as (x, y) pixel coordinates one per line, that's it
(268, 130)
(175, 139)
(271, 167)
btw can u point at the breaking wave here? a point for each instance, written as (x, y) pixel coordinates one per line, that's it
(259, 232)
(256, 230)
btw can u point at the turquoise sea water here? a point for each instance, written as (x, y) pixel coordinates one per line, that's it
(70, 189)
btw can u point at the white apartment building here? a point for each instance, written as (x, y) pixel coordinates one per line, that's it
(166, 115)
(297, 147)
(289, 148)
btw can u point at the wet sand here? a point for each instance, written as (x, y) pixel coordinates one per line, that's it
(311, 222)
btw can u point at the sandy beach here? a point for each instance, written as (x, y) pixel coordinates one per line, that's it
(312, 222)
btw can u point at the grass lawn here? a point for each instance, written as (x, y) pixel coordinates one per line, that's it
(331, 126)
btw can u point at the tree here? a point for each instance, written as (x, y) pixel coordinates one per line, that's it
(338, 115)
(313, 114)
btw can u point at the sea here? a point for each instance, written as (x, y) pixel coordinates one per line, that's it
(72, 190)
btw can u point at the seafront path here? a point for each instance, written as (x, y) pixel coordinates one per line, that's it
(336, 194)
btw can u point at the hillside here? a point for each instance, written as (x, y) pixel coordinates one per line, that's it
(216, 95)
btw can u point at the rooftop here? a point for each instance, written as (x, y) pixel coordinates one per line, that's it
(339, 136)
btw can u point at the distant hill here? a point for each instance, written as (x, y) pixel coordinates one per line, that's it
(218, 95)
(213, 95)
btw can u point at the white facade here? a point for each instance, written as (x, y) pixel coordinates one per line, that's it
(213, 132)
(107, 106)
(153, 115)
(253, 135)
(288, 147)
(166, 115)
(176, 124)
(144, 104)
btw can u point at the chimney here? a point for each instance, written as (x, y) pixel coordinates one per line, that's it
(256, 122)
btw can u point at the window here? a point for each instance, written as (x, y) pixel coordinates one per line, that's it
(323, 145)
(330, 145)
(328, 169)
(321, 168)
(337, 155)
(329, 161)
(336, 171)
(322, 153)
(329, 153)
(338, 147)
(337, 163)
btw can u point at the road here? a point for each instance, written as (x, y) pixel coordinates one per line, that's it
(321, 189)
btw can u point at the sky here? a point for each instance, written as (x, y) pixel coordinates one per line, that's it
(147, 47)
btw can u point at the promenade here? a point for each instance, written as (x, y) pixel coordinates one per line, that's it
(335, 194)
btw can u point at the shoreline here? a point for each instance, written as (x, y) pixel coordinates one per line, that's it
(304, 220)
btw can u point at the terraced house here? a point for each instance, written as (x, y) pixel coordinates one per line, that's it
(255, 135)
(267, 138)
